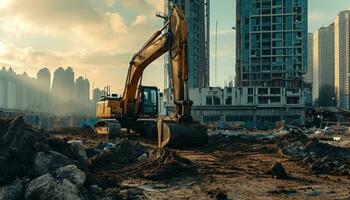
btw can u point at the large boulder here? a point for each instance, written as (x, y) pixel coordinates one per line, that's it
(74, 150)
(48, 187)
(277, 171)
(19, 144)
(78, 148)
(46, 161)
(73, 174)
(13, 191)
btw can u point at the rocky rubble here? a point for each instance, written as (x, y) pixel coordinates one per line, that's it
(38, 165)
(19, 146)
(121, 153)
(319, 157)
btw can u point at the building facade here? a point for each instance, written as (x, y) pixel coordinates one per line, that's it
(323, 67)
(271, 43)
(198, 21)
(308, 77)
(259, 107)
(342, 59)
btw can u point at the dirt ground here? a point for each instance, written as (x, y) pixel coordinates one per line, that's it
(231, 169)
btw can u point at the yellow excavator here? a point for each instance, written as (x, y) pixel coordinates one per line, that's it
(137, 109)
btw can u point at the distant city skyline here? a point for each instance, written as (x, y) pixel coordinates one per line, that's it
(101, 36)
(65, 95)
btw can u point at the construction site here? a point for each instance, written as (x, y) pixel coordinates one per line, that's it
(263, 143)
(75, 163)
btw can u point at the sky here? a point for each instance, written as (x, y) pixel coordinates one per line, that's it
(98, 37)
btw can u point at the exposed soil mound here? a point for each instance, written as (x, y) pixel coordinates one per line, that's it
(163, 164)
(19, 144)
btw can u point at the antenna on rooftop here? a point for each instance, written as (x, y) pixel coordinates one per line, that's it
(216, 53)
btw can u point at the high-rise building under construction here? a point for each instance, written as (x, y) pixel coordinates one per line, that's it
(197, 16)
(271, 43)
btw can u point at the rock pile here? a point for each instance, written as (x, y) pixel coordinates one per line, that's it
(319, 157)
(121, 153)
(34, 166)
(38, 165)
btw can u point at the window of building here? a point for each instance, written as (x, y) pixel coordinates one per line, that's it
(277, 2)
(217, 100)
(250, 99)
(292, 100)
(209, 100)
(250, 91)
(263, 100)
(228, 101)
(266, 68)
(277, 68)
(263, 91)
(211, 118)
(275, 91)
(275, 99)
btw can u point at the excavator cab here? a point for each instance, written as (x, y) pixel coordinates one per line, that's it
(148, 106)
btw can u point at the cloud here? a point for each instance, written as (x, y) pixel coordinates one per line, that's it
(157, 4)
(109, 2)
(140, 19)
(99, 40)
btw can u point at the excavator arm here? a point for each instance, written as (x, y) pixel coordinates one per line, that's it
(174, 41)
(152, 50)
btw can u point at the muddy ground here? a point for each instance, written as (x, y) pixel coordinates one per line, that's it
(74, 163)
(225, 168)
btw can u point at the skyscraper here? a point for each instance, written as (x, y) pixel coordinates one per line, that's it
(308, 77)
(44, 82)
(96, 95)
(63, 91)
(82, 95)
(323, 66)
(197, 16)
(271, 43)
(342, 59)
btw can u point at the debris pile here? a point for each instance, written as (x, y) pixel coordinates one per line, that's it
(164, 164)
(119, 154)
(324, 158)
(319, 157)
(35, 165)
(38, 165)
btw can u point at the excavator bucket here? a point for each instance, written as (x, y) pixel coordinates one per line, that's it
(174, 135)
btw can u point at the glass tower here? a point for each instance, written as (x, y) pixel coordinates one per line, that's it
(271, 43)
(197, 16)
